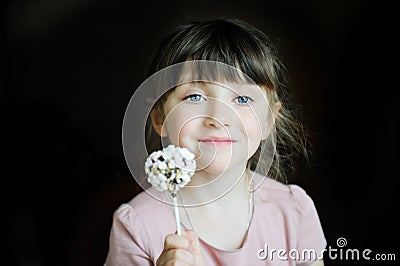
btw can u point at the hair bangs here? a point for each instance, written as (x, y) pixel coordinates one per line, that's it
(232, 45)
(235, 44)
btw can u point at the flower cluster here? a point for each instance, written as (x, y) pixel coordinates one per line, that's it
(170, 168)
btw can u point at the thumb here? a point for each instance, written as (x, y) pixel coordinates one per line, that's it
(196, 250)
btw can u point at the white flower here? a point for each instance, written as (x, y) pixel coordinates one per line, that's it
(170, 169)
(156, 155)
(185, 177)
(190, 165)
(179, 162)
(187, 154)
(173, 176)
(148, 163)
(171, 165)
(161, 178)
(161, 165)
(162, 187)
(169, 151)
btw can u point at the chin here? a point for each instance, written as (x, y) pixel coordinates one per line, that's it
(220, 167)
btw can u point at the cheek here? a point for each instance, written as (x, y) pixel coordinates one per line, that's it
(180, 124)
(253, 136)
(186, 132)
(263, 121)
(253, 127)
(185, 135)
(251, 124)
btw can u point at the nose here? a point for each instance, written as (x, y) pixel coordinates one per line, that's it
(218, 114)
(214, 122)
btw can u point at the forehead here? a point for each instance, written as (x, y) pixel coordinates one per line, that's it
(208, 86)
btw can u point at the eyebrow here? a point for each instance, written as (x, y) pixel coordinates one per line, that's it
(238, 89)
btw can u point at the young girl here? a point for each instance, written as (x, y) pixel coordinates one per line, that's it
(229, 108)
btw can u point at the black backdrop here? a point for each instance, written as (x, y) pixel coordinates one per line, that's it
(69, 68)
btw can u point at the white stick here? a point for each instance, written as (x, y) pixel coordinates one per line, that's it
(177, 220)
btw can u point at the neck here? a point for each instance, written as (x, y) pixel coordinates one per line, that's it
(211, 189)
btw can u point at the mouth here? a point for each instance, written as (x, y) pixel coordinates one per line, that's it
(217, 141)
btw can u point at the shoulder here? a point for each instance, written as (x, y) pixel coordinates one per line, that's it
(290, 198)
(297, 209)
(145, 206)
(137, 222)
(270, 189)
(142, 215)
(136, 233)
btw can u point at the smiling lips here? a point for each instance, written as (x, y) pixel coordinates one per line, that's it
(217, 141)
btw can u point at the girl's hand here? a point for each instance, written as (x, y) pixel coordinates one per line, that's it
(181, 250)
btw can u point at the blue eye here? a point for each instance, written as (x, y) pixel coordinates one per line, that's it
(194, 97)
(243, 99)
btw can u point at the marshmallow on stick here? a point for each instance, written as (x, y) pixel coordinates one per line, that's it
(170, 169)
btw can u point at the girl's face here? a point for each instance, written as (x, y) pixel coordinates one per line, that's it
(222, 125)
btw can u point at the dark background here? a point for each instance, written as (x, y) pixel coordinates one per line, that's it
(69, 68)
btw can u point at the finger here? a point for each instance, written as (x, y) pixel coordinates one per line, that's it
(195, 246)
(192, 237)
(174, 241)
(179, 257)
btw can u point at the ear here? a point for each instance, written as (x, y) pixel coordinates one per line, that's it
(269, 126)
(157, 121)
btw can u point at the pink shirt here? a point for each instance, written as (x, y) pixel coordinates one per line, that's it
(285, 230)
